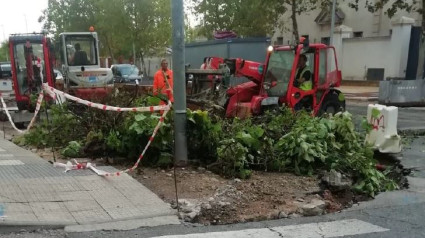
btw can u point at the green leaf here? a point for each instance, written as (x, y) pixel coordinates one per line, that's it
(375, 113)
(135, 126)
(140, 117)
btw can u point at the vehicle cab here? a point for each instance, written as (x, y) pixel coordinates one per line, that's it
(280, 83)
(80, 63)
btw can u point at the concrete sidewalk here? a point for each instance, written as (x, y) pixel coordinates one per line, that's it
(33, 192)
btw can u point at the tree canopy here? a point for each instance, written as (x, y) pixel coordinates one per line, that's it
(120, 23)
(4, 50)
(248, 18)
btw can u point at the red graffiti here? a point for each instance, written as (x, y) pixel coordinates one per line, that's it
(377, 122)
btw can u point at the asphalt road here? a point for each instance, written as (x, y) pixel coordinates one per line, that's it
(408, 117)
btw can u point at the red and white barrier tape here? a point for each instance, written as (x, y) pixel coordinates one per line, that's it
(37, 109)
(76, 166)
(165, 108)
(52, 92)
(161, 120)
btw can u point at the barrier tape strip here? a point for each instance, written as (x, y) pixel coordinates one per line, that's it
(52, 92)
(165, 108)
(37, 109)
(155, 131)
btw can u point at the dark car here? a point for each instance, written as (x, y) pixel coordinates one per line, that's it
(125, 73)
(5, 70)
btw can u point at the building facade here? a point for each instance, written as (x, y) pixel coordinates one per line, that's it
(369, 46)
(364, 24)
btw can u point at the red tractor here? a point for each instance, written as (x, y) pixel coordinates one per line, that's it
(273, 82)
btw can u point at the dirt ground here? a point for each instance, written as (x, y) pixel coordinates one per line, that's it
(264, 196)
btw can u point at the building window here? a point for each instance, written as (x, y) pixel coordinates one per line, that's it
(279, 40)
(326, 40)
(391, 32)
(358, 34)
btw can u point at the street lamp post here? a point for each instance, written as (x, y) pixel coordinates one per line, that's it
(180, 144)
(26, 23)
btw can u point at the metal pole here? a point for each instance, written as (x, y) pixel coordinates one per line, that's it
(134, 55)
(26, 23)
(331, 41)
(180, 144)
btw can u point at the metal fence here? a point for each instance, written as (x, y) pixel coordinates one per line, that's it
(253, 49)
(402, 92)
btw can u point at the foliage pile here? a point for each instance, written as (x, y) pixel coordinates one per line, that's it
(276, 141)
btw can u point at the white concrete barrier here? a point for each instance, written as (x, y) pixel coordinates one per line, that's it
(383, 134)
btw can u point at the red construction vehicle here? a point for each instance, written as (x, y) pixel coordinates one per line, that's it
(273, 82)
(32, 61)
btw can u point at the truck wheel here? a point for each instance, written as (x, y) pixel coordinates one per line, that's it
(22, 106)
(20, 125)
(332, 104)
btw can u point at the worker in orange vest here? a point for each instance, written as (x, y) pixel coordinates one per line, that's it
(163, 81)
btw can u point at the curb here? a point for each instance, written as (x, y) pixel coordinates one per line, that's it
(162, 218)
(16, 228)
(124, 225)
(364, 83)
(415, 131)
(362, 99)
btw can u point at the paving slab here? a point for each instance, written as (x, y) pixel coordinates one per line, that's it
(33, 192)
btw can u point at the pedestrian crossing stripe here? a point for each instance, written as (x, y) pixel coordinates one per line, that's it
(311, 230)
(6, 155)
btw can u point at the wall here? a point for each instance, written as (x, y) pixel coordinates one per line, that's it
(254, 49)
(152, 64)
(359, 54)
(371, 24)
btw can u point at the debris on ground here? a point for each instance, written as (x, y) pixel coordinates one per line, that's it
(207, 198)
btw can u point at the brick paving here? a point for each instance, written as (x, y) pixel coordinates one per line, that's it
(33, 192)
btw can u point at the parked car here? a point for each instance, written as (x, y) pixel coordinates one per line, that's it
(5, 70)
(125, 73)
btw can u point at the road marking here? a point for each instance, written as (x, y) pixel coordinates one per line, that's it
(10, 162)
(312, 230)
(5, 155)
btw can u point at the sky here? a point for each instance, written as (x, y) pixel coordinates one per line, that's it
(17, 16)
(21, 16)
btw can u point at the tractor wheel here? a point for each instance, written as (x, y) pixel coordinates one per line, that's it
(332, 104)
